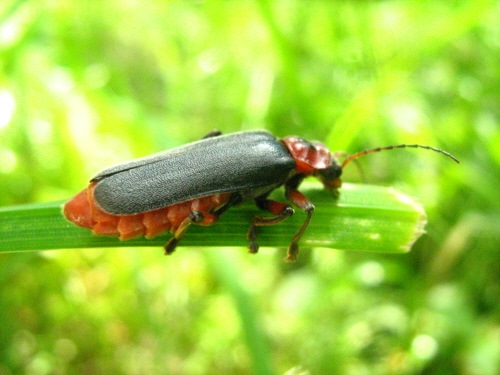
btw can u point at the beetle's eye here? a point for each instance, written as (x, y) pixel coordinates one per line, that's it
(331, 176)
(331, 173)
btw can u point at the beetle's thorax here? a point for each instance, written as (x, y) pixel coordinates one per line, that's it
(309, 156)
(314, 158)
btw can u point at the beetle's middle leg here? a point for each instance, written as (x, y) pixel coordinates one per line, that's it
(195, 217)
(281, 210)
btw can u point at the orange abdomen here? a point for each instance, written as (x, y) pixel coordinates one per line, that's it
(85, 212)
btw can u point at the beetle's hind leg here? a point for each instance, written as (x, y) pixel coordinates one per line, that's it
(196, 217)
(281, 210)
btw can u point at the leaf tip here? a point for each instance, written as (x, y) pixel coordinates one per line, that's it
(420, 222)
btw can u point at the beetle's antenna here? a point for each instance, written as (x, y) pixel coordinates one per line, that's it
(357, 155)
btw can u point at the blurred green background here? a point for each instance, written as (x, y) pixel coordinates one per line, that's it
(86, 84)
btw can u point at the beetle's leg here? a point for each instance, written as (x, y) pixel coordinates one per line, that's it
(281, 210)
(300, 200)
(196, 217)
(178, 234)
(193, 217)
(213, 133)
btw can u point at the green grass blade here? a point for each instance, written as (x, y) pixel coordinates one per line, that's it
(365, 217)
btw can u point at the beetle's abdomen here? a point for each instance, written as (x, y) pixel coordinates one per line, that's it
(85, 212)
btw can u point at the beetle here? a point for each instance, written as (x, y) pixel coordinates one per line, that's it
(198, 182)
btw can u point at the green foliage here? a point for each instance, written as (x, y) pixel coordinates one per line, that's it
(86, 84)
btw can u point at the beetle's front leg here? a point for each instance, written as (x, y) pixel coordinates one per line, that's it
(281, 210)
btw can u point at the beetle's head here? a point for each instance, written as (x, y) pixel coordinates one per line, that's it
(315, 159)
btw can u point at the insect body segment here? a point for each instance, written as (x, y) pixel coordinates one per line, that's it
(84, 211)
(196, 183)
